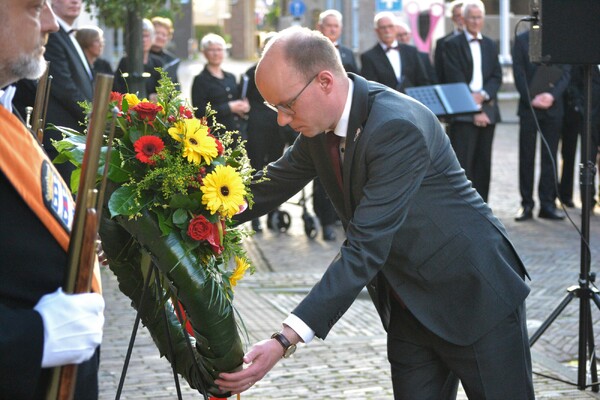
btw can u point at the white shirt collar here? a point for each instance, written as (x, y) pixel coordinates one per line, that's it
(469, 36)
(6, 97)
(63, 24)
(341, 129)
(385, 46)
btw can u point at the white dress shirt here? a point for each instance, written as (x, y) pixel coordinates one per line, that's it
(394, 56)
(476, 84)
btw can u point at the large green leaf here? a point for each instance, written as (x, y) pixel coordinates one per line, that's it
(123, 201)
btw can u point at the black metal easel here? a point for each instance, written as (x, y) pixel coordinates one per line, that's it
(585, 290)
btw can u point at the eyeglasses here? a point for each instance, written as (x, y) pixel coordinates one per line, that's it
(287, 107)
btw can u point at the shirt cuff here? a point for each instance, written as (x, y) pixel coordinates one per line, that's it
(300, 328)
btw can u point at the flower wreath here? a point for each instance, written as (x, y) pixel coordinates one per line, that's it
(174, 183)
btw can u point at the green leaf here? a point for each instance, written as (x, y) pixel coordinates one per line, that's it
(123, 202)
(180, 217)
(75, 177)
(187, 202)
(116, 173)
(164, 223)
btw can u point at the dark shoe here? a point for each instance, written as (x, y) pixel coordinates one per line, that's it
(525, 214)
(568, 203)
(329, 233)
(256, 225)
(550, 213)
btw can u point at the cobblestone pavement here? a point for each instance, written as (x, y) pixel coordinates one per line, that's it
(351, 363)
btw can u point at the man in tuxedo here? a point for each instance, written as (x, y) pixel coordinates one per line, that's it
(549, 111)
(458, 26)
(42, 327)
(443, 275)
(71, 80)
(393, 64)
(404, 35)
(330, 25)
(473, 59)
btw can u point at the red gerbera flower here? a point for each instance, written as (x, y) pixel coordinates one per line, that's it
(146, 147)
(219, 144)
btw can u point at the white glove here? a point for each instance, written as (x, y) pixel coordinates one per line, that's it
(72, 327)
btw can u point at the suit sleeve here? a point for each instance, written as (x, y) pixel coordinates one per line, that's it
(520, 59)
(396, 161)
(21, 346)
(63, 88)
(493, 81)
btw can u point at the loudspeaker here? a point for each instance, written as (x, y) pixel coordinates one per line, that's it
(567, 32)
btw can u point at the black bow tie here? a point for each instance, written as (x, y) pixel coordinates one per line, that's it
(392, 48)
(475, 40)
(72, 31)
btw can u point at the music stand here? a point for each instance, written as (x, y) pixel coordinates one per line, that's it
(450, 99)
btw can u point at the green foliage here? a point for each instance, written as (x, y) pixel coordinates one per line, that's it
(114, 12)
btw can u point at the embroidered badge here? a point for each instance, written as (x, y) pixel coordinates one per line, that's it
(57, 196)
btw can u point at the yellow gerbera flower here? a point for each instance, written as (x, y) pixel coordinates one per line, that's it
(132, 99)
(177, 130)
(196, 142)
(223, 191)
(241, 266)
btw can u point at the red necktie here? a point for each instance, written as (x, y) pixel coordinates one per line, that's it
(333, 146)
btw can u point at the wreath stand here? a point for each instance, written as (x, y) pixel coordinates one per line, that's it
(152, 270)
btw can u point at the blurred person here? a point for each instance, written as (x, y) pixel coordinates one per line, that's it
(91, 40)
(472, 58)
(571, 130)
(330, 25)
(42, 327)
(447, 282)
(404, 35)
(151, 62)
(458, 27)
(219, 88)
(72, 80)
(395, 65)
(549, 111)
(163, 33)
(266, 139)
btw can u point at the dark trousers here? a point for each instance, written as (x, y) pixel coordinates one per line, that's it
(426, 367)
(473, 148)
(571, 129)
(550, 128)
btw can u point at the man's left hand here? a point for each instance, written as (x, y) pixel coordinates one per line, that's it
(261, 358)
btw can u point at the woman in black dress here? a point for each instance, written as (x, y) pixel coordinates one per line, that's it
(219, 88)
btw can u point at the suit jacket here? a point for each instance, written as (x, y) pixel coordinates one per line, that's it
(376, 67)
(458, 67)
(70, 82)
(438, 56)
(524, 71)
(413, 222)
(348, 60)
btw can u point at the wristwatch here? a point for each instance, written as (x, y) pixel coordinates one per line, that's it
(288, 348)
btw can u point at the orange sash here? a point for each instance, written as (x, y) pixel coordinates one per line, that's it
(36, 180)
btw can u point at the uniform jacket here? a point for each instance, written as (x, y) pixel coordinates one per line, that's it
(414, 224)
(376, 67)
(458, 67)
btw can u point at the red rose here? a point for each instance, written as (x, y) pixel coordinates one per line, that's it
(116, 96)
(147, 111)
(146, 147)
(200, 228)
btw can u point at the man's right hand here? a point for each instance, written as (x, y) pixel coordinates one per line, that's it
(72, 326)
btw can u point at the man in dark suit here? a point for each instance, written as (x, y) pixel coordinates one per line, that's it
(458, 25)
(549, 111)
(404, 35)
(393, 64)
(473, 59)
(41, 326)
(71, 80)
(440, 269)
